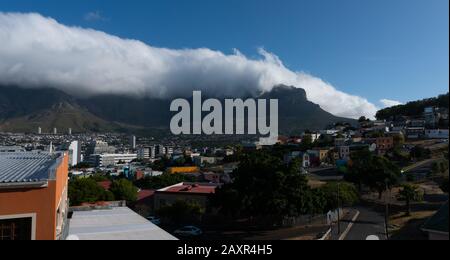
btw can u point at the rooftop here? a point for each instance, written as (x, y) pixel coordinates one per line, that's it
(27, 167)
(118, 223)
(202, 188)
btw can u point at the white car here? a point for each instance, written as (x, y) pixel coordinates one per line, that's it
(154, 220)
(188, 231)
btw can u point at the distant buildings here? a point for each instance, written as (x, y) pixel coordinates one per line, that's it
(145, 153)
(105, 160)
(74, 153)
(33, 196)
(133, 142)
(99, 147)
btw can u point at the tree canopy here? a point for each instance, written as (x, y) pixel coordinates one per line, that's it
(83, 190)
(266, 187)
(375, 172)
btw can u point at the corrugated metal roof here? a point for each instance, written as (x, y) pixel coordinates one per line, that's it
(26, 167)
(119, 223)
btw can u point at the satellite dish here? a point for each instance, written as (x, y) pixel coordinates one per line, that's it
(373, 238)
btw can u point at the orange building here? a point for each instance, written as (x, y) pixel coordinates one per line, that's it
(33, 196)
(174, 170)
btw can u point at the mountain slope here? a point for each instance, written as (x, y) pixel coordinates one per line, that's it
(297, 113)
(414, 108)
(23, 110)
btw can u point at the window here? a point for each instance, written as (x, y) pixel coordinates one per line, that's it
(15, 229)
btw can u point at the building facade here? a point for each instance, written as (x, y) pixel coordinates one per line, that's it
(33, 196)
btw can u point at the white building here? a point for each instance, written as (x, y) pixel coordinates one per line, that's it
(148, 152)
(104, 160)
(74, 153)
(133, 142)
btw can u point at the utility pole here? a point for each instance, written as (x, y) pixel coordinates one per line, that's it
(386, 215)
(338, 210)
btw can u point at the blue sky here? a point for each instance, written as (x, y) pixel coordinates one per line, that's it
(395, 49)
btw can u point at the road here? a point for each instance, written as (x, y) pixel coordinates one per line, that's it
(325, 174)
(368, 223)
(418, 165)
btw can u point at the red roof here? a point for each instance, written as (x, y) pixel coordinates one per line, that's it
(105, 184)
(143, 194)
(195, 188)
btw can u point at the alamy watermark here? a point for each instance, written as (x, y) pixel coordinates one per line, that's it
(238, 114)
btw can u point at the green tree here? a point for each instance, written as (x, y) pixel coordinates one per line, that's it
(124, 190)
(375, 172)
(264, 187)
(348, 194)
(410, 193)
(83, 190)
(306, 142)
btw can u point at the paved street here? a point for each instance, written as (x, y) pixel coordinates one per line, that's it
(325, 174)
(368, 223)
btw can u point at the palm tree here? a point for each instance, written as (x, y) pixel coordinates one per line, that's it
(409, 193)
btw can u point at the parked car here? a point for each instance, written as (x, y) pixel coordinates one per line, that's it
(188, 231)
(154, 220)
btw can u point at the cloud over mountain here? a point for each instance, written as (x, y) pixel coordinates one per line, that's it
(37, 51)
(390, 103)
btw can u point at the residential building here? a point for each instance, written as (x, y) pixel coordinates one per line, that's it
(321, 153)
(33, 196)
(191, 192)
(384, 144)
(415, 132)
(304, 156)
(344, 152)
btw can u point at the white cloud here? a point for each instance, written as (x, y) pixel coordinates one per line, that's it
(390, 103)
(36, 51)
(94, 16)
